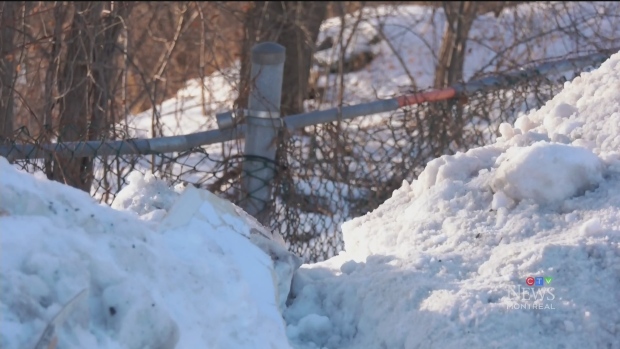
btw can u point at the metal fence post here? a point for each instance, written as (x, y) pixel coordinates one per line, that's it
(263, 121)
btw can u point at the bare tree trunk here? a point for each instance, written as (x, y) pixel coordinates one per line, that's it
(73, 86)
(299, 35)
(8, 22)
(85, 85)
(294, 25)
(105, 69)
(446, 122)
(250, 33)
(459, 18)
(51, 76)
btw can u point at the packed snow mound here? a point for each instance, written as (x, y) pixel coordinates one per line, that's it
(155, 201)
(200, 284)
(547, 172)
(146, 195)
(511, 245)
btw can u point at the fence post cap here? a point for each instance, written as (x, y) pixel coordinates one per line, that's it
(268, 53)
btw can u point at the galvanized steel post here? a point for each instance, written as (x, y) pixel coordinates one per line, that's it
(263, 122)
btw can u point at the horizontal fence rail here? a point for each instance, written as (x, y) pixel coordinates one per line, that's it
(292, 122)
(122, 147)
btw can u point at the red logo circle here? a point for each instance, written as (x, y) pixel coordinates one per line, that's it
(529, 281)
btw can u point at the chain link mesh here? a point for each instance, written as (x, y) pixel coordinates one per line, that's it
(338, 171)
(325, 174)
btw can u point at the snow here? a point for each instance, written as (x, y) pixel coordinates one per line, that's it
(411, 39)
(443, 263)
(591, 227)
(547, 172)
(146, 195)
(186, 113)
(206, 281)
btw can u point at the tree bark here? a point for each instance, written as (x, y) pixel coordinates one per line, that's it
(85, 85)
(459, 18)
(51, 76)
(294, 25)
(299, 36)
(445, 120)
(73, 86)
(105, 70)
(8, 22)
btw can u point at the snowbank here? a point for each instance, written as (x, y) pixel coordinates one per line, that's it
(197, 283)
(445, 262)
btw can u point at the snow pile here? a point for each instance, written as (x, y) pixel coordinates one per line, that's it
(446, 262)
(147, 196)
(198, 283)
(567, 171)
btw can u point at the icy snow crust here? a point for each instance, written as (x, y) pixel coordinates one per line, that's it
(203, 284)
(443, 263)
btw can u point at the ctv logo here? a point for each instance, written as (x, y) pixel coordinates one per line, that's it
(538, 281)
(534, 295)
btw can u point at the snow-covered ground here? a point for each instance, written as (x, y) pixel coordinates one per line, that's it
(165, 268)
(410, 38)
(445, 262)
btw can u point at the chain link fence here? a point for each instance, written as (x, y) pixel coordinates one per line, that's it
(164, 69)
(328, 173)
(338, 171)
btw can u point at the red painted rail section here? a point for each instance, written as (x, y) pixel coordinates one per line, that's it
(429, 96)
